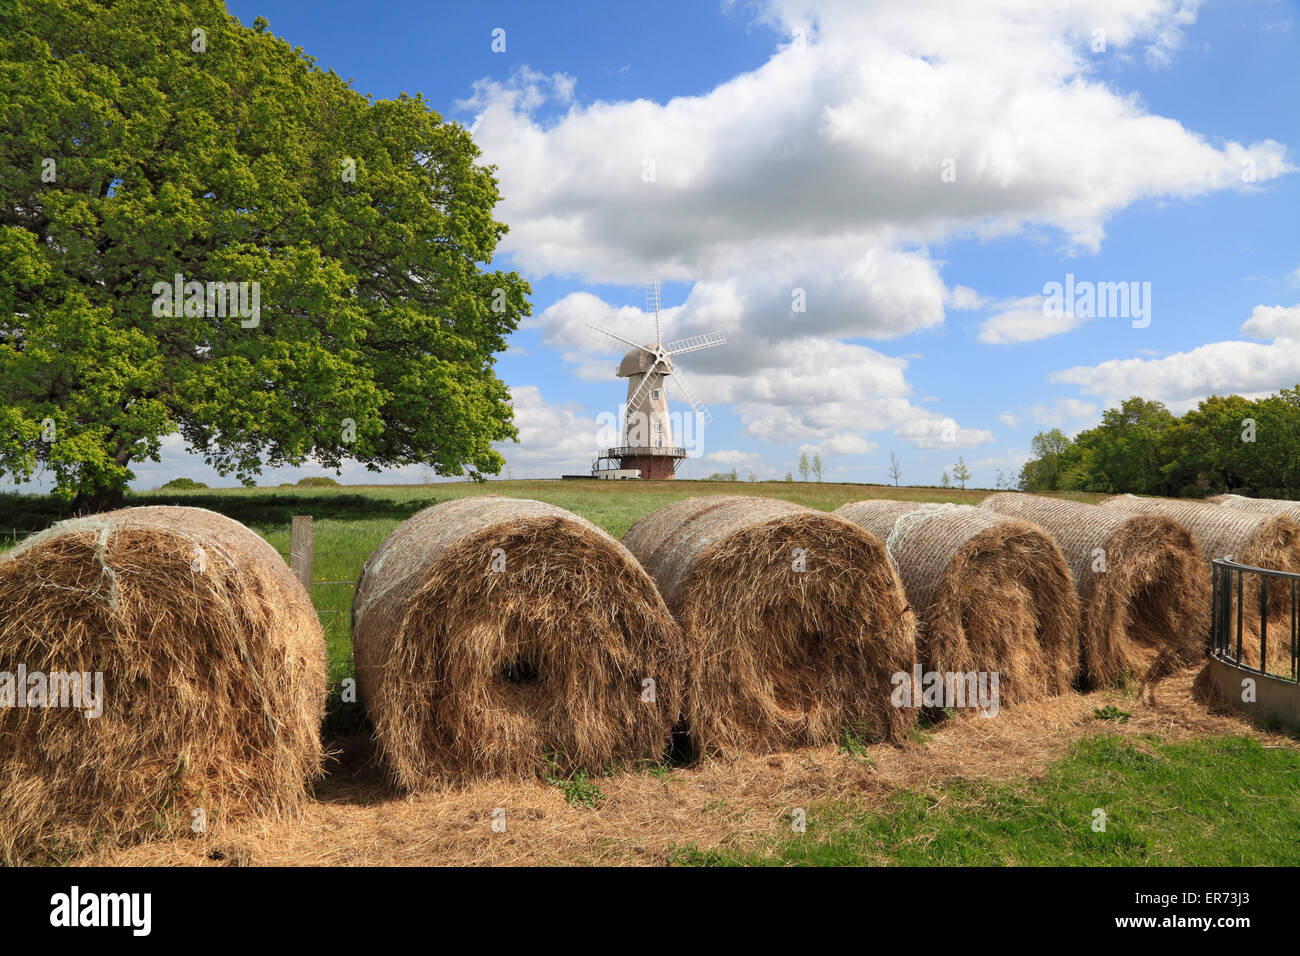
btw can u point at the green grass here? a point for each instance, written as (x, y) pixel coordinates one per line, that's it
(1226, 801)
(578, 787)
(1111, 712)
(614, 505)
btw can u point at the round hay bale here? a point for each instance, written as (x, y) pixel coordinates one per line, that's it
(992, 594)
(1266, 506)
(1259, 539)
(504, 637)
(794, 622)
(1144, 591)
(213, 672)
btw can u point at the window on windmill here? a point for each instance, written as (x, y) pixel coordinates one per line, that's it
(654, 395)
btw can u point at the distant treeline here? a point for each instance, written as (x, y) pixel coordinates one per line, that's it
(1226, 444)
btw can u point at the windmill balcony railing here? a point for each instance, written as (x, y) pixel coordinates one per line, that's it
(629, 451)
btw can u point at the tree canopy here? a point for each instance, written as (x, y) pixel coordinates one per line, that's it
(1225, 444)
(150, 146)
(1046, 470)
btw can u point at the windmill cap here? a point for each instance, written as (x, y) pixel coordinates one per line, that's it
(638, 361)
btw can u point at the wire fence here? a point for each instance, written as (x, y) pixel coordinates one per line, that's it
(329, 573)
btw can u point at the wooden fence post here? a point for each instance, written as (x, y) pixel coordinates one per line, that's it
(302, 549)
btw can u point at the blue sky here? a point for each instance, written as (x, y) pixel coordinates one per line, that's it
(801, 144)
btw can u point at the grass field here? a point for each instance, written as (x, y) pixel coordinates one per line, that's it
(1179, 787)
(1226, 801)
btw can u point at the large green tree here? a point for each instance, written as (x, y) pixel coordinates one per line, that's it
(1277, 445)
(141, 141)
(1227, 443)
(1231, 443)
(1128, 450)
(1047, 470)
(1206, 452)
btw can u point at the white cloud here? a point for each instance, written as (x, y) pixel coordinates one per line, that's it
(1182, 379)
(844, 141)
(553, 439)
(841, 445)
(732, 456)
(1010, 461)
(1071, 415)
(1065, 411)
(1273, 322)
(935, 431)
(880, 294)
(964, 298)
(1025, 320)
(526, 90)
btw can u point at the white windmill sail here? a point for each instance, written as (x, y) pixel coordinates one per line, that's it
(707, 340)
(696, 405)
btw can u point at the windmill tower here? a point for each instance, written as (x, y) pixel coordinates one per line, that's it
(649, 444)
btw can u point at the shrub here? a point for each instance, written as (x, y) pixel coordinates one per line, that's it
(183, 484)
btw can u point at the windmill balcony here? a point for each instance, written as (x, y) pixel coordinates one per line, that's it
(631, 451)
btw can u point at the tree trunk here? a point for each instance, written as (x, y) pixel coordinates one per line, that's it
(104, 498)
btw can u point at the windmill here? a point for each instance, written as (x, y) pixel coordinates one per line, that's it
(647, 432)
